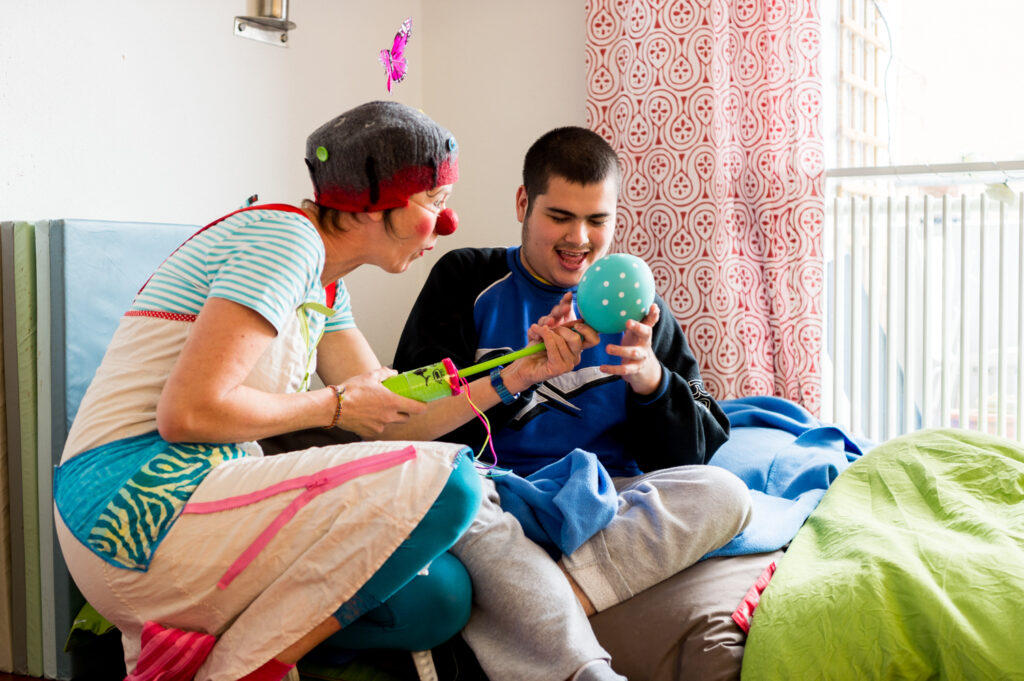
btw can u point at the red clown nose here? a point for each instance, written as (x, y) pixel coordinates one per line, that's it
(447, 222)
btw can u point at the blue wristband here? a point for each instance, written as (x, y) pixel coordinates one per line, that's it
(499, 387)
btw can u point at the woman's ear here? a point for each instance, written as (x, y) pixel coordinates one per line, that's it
(374, 217)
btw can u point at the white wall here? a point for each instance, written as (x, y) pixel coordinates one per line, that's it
(498, 75)
(155, 111)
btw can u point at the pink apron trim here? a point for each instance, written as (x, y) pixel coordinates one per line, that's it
(315, 484)
(170, 654)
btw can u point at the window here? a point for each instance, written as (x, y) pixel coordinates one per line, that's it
(924, 235)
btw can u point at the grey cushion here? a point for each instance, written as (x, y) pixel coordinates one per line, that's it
(682, 628)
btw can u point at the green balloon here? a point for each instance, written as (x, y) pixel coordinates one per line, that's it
(615, 289)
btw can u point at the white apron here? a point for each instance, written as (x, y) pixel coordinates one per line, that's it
(267, 547)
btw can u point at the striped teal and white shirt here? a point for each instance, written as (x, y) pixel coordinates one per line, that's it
(267, 260)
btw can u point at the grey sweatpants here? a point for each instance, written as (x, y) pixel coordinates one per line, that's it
(526, 623)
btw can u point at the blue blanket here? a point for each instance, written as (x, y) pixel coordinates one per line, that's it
(785, 456)
(788, 459)
(563, 504)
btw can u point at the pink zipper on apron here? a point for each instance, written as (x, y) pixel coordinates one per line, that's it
(315, 484)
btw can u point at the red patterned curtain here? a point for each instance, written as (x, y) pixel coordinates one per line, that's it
(714, 107)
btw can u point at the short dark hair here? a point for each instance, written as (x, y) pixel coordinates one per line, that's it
(575, 154)
(330, 218)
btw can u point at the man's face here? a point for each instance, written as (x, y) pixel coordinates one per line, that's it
(568, 228)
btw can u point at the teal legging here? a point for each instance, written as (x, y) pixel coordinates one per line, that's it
(397, 607)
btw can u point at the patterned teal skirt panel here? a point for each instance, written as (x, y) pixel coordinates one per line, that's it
(120, 499)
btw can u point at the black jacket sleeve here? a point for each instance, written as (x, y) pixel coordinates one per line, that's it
(681, 423)
(441, 325)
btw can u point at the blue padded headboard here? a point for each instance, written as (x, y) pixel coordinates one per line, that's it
(96, 268)
(92, 270)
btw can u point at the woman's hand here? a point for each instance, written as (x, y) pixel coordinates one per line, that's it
(640, 367)
(368, 407)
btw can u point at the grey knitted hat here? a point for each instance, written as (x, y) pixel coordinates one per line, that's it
(377, 155)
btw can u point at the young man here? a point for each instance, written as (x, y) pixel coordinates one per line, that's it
(481, 302)
(635, 400)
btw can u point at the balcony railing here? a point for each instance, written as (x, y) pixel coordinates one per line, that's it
(925, 299)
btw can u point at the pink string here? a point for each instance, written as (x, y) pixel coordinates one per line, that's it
(489, 440)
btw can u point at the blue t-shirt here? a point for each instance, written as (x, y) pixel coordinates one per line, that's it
(551, 424)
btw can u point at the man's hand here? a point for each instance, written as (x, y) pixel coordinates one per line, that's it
(640, 367)
(562, 313)
(563, 346)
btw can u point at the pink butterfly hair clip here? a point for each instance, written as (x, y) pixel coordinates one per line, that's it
(394, 59)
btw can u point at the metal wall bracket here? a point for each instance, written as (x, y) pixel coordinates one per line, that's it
(270, 26)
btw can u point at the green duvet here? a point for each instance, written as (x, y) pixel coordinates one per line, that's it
(911, 567)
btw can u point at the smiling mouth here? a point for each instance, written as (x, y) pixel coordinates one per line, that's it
(571, 260)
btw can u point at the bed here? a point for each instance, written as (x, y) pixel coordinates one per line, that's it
(904, 560)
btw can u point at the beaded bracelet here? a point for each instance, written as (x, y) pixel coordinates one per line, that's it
(339, 392)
